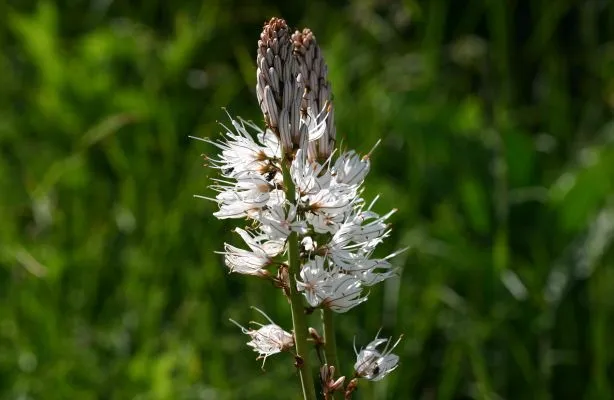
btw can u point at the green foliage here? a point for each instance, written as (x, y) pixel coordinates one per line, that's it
(498, 151)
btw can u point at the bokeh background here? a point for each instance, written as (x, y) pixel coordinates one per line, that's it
(497, 148)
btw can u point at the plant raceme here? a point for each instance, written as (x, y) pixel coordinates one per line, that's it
(310, 231)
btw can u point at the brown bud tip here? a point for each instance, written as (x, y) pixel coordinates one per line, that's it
(272, 28)
(275, 24)
(302, 40)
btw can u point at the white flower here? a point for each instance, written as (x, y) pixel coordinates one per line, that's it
(329, 288)
(351, 169)
(375, 228)
(331, 201)
(268, 339)
(373, 272)
(240, 152)
(308, 177)
(278, 220)
(246, 196)
(324, 223)
(344, 292)
(358, 264)
(365, 235)
(314, 277)
(374, 365)
(255, 261)
(314, 126)
(319, 129)
(346, 260)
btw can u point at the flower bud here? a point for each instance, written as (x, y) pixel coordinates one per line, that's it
(276, 84)
(316, 90)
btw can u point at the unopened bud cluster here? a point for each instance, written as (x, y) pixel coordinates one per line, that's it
(289, 182)
(293, 90)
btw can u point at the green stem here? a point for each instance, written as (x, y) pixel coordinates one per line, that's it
(330, 343)
(299, 319)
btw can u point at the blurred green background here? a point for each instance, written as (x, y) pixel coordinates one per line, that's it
(498, 150)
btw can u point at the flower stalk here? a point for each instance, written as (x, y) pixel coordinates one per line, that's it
(330, 342)
(299, 319)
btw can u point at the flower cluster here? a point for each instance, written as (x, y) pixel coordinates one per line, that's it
(337, 230)
(297, 190)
